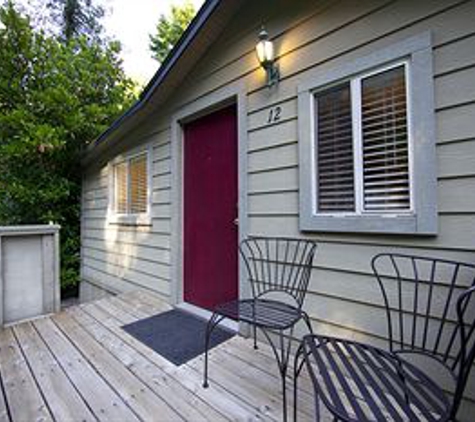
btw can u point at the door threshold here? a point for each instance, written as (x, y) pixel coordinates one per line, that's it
(205, 314)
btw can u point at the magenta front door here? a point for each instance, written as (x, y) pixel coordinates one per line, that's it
(210, 209)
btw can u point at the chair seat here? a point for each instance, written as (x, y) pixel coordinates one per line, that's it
(262, 312)
(359, 382)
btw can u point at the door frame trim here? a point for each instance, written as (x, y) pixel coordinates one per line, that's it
(231, 94)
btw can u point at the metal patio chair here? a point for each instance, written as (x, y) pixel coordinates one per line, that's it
(278, 270)
(430, 311)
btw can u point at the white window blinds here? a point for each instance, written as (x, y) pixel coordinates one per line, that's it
(362, 148)
(138, 184)
(120, 176)
(335, 170)
(131, 185)
(385, 143)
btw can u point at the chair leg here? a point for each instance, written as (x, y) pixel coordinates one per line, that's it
(282, 363)
(254, 328)
(400, 372)
(283, 373)
(284, 395)
(317, 408)
(306, 319)
(213, 322)
(297, 369)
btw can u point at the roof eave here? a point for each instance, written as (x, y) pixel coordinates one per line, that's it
(116, 128)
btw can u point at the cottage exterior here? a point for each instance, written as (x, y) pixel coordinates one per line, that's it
(164, 206)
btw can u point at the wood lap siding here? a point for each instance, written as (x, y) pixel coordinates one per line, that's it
(121, 258)
(343, 297)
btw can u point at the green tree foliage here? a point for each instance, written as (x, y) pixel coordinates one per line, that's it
(55, 97)
(169, 29)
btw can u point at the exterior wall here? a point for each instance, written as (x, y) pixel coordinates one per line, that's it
(343, 298)
(115, 257)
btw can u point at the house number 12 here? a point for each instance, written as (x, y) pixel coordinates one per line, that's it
(274, 114)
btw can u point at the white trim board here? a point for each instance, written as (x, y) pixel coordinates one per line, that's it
(205, 314)
(234, 93)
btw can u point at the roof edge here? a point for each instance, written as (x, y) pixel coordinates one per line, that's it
(187, 37)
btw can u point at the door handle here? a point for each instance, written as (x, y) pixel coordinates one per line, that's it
(236, 221)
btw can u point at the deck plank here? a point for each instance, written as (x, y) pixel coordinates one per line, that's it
(101, 398)
(4, 414)
(220, 398)
(81, 365)
(138, 395)
(255, 363)
(251, 373)
(22, 394)
(249, 383)
(64, 401)
(187, 404)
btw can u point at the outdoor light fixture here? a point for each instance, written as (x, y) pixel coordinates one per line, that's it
(265, 54)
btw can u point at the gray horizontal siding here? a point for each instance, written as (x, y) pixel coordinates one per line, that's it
(119, 257)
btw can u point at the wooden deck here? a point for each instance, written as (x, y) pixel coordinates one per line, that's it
(79, 365)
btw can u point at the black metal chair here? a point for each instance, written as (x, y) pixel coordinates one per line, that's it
(430, 311)
(278, 270)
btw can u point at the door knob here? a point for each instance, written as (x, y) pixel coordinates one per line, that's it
(236, 221)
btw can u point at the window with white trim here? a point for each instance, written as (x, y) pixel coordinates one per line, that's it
(362, 145)
(131, 185)
(367, 158)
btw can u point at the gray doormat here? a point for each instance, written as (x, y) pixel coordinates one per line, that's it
(176, 335)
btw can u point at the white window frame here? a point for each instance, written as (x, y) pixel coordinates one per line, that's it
(416, 55)
(133, 219)
(355, 101)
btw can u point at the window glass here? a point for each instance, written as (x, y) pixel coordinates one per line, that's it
(363, 167)
(138, 184)
(131, 185)
(385, 142)
(120, 175)
(335, 174)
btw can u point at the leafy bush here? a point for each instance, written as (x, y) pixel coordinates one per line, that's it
(55, 97)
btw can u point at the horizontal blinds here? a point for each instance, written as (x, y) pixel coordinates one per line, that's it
(335, 174)
(120, 177)
(138, 184)
(131, 185)
(385, 141)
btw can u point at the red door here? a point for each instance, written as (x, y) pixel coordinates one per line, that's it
(210, 195)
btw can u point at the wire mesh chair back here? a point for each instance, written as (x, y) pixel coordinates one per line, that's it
(278, 265)
(430, 309)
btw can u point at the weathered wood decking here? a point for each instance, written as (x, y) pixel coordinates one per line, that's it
(79, 365)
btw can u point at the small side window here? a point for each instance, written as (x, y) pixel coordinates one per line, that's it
(130, 190)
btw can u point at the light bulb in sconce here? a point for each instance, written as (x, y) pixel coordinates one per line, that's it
(266, 56)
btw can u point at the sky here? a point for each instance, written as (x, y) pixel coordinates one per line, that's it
(131, 22)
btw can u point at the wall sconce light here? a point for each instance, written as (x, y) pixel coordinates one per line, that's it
(265, 54)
